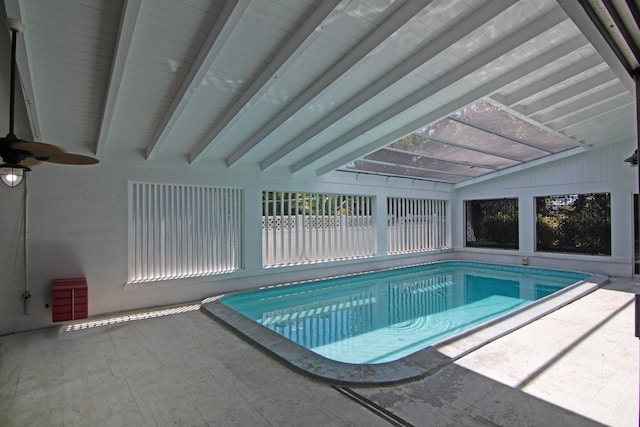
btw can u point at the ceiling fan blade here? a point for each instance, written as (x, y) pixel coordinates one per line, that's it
(38, 149)
(17, 152)
(29, 161)
(71, 159)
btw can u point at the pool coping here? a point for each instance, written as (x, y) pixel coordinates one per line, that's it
(418, 365)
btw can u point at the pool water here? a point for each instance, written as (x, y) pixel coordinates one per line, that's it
(384, 316)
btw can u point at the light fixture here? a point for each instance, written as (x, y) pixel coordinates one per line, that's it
(12, 175)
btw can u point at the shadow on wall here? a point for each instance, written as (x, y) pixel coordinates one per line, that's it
(47, 261)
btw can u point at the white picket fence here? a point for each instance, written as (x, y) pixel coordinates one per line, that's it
(300, 239)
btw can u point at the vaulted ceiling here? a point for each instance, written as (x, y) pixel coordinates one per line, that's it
(311, 86)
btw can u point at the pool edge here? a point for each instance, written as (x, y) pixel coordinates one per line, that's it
(415, 366)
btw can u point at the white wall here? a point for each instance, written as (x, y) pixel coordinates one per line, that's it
(77, 227)
(595, 171)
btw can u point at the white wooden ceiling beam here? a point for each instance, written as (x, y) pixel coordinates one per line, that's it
(346, 63)
(495, 51)
(553, 79)
(593, 98)
(600, 79)
(580, 125)
(292, 50)
(439, 44)
(484, 90)
(130, 11)
(14, 10)
(218, 36)
(591, 113)
(500, 99)
(580, 17)
(617, 127)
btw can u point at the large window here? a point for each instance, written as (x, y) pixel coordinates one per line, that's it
(415, 225)
(299, 228)
(574, 223)
(492, 223)
(178, 231)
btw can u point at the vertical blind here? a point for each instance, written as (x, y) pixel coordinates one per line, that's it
(415, 225)
(178, 231)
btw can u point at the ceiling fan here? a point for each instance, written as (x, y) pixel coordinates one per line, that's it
(19, 155)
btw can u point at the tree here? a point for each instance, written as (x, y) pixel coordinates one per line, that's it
(574, 223)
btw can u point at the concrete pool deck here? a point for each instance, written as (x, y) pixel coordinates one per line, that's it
(577, 366)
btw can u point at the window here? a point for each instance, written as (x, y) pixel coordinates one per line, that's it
(299, 228)
(415, 225)
(574, 223)
(492, 223)
(178, 231)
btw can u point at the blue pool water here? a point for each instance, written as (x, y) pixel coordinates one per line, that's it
(384, 316)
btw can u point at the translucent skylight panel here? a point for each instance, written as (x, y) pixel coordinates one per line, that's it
(493, 118)
(440, 150)
(477, 140)
(399, 171)
(451, 130)
(421, 162)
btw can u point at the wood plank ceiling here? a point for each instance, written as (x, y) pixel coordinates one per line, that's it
(307, 87)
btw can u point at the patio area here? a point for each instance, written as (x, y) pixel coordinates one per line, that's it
(175, 366)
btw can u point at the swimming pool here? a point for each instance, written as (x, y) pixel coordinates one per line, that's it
(378, 318)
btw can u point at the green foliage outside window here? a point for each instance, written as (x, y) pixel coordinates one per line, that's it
(578, 223)
(492, 223)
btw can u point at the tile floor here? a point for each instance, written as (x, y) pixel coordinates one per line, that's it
(577, 366)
